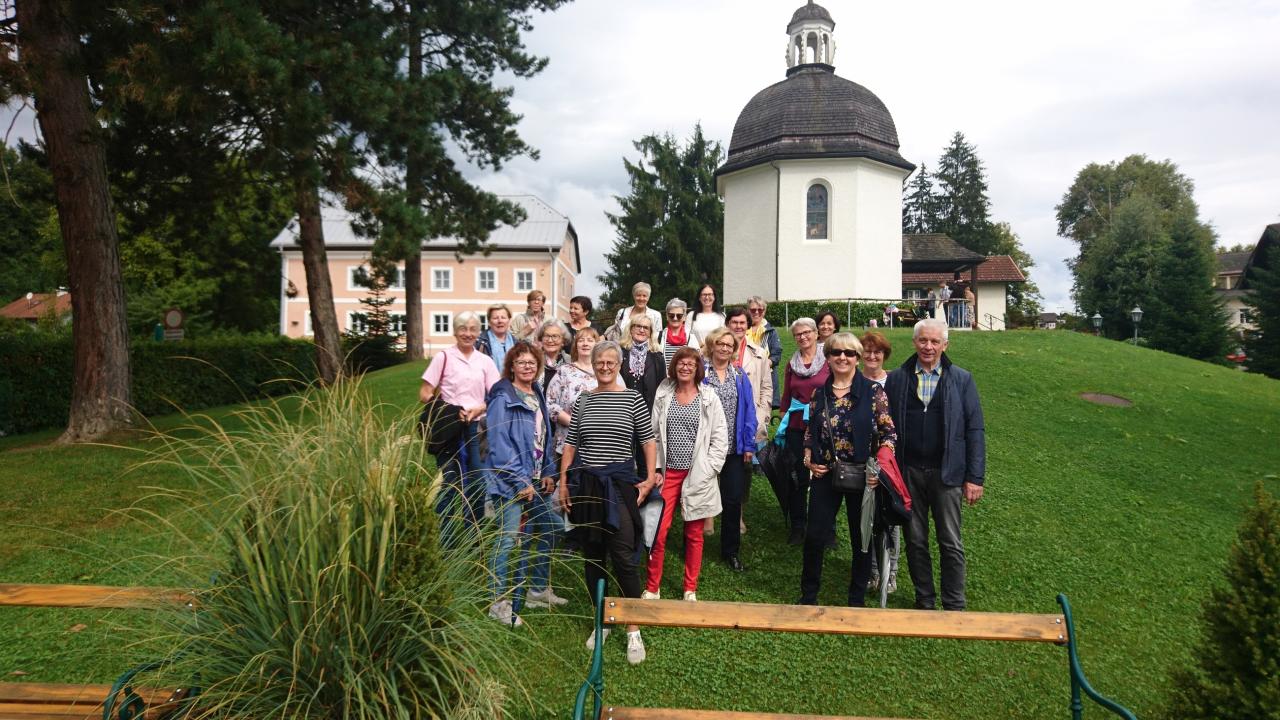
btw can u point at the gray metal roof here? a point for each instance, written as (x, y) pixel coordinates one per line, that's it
(814, 113)
(544, 228)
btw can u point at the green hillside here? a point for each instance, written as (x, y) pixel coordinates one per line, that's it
(1127, 510)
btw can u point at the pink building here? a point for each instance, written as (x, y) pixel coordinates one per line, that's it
(540, 253)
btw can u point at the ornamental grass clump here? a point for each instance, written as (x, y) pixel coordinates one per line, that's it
(330, 596)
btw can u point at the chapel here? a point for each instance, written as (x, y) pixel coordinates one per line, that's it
(812, 184)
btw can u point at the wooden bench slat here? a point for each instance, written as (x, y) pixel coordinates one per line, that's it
(27, 711)
(837, 620)
(69, 693)
(89, 596)
(630, 713)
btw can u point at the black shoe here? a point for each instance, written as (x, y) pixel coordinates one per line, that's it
(803, 601)
(796, 537)
(831, 542)
(735, 564)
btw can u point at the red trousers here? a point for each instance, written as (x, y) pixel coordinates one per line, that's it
(672, 482)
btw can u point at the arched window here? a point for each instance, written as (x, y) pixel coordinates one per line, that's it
(816, 213)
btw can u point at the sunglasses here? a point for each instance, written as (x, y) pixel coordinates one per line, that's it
(849, 353)
(675, 316)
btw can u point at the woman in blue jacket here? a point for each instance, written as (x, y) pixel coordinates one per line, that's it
(732, 386)
(521, 474)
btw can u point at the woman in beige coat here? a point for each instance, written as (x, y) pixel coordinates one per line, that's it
(692, 441)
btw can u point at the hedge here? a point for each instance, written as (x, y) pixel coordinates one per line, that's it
(35, 374)
(862, 312)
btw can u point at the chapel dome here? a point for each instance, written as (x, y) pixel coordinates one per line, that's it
(814, 113)
(810, 11)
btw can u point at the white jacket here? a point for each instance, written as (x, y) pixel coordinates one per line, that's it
(700, 495)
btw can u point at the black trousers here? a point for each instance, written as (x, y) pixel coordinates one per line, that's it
(620, 548)
(824, 502)
(798, 496)
(734, 477)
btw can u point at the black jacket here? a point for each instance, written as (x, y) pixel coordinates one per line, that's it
(964, 454)
(648, 381)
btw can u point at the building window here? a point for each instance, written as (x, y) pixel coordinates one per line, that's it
(357, 277)
(484, 321)
(397, 324)
(442, 279)
(357, 323)
(306, 323)
(524, 280)
(1245, 318)
(816, 216)
(441, 324)
(486, 280)
(396, 281)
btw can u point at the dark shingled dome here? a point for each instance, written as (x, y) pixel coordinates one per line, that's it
(809, 11)
(814, 113)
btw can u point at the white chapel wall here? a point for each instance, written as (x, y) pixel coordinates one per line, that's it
(750, 199)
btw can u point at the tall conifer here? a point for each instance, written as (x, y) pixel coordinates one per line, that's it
(963, 209)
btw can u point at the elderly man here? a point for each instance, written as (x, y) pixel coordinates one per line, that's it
(942, 450)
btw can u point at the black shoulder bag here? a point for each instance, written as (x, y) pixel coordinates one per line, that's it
(440, 424)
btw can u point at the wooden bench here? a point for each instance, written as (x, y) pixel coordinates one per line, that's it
(45, 701)
(967, 625)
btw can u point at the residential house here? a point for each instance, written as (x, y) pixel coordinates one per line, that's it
(540, 253)
(1048, 321)
(932, 258)
(36, 306)
(1232, 279)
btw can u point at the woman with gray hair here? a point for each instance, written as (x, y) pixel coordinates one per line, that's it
(806, 372)
(599, 486)
(640, 293)
(551, 336)
(677, 333)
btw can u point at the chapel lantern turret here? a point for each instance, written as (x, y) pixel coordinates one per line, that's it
(809, 37)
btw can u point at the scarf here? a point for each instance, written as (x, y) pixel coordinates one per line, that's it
(677, 340)
(797, 365)
(635, 359)
(755, 334)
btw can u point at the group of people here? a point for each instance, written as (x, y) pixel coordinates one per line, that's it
(569, 430)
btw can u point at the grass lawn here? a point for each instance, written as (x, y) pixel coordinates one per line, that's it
(1129, 511)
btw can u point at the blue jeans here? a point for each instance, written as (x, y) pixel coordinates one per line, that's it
(541, 531)
(460, 503)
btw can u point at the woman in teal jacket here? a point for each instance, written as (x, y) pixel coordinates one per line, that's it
(520, 476)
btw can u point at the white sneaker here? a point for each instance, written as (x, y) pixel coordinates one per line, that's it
(544, 599)
(635, 648)
(501, 611)
(893, 584)
(873, 583)
(591, 641)
(690, 596)
(646, 595)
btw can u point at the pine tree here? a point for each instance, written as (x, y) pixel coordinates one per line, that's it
(376, 318)
(1186, 316)
(1263, 345)
(671, 229)
(919, 209)
(963, 209)
(1237, 664)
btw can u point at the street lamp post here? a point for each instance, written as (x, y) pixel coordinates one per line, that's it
(1097, 323)
(1136, 314)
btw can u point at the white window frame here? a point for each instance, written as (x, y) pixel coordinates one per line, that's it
(533, 279)
(804, 203)
(351, 322)
(484, 321)
(397, 283)
(403, 319)
(448, 286)
(352, 285)
(306, 323)
(480, 287)
(448, 323)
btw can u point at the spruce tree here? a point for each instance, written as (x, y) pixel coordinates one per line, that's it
(1237, 663)
(919, 209)
(671, 228)
(1263, 345)
(1186, 316)
(963, 208)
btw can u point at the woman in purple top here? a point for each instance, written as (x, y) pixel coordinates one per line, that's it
(806, 371)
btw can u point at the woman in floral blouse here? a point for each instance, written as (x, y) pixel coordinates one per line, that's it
(570, 381)
(848, 422)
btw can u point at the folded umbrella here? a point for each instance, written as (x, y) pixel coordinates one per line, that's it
(775, 464)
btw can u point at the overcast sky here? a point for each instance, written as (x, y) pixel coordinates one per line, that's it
(1042, 89)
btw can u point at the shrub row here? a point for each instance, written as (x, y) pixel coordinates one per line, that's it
(35, 374)
(852, 315)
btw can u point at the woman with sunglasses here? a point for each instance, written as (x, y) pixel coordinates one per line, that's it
(677, 333)
(845, 415)
(806, 372)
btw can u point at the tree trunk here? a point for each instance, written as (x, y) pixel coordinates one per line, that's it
(414, 335)
(315, 262)
(50, 52)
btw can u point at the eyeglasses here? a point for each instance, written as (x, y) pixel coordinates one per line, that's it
(755, 311)
(726, 345)
(687, 366)
(606, 365)
(847, 353)
(525, 363)
(804, 333)
(706, 294)
(645, 328)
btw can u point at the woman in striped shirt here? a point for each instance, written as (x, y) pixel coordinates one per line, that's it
(598, 484)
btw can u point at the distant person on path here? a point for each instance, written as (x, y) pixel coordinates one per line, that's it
(970, 304)
(848, 411)
(692, 440)
(520, 478)
(955, 308)
(599, 486)
(706, 314)
(766, 336)
(462, 376)
(525, 324)
(640, 293)
(737, 398)
(676, 334)
(497, 340)
(942, 448)
(805, 373)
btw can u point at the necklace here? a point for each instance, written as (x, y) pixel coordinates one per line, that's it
(841, 387)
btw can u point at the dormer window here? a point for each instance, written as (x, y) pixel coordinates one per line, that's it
(816, 217)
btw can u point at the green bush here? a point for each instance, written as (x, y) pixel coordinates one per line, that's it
(853, 317)
(332, 597)
(1237, 670)
(35, 374)
(366, 353)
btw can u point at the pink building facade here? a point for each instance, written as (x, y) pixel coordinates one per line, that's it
(541, 253)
